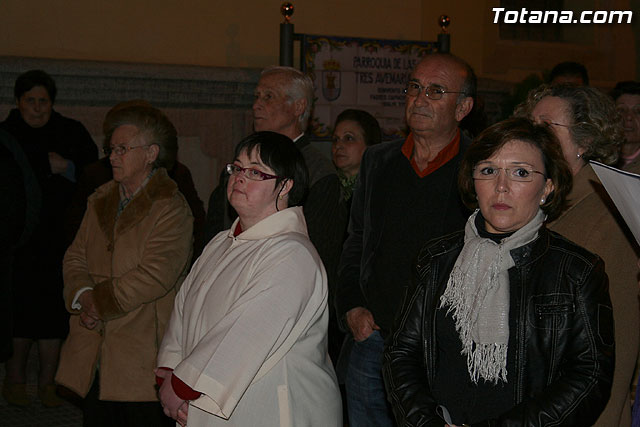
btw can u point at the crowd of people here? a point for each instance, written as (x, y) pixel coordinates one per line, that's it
(455, 277)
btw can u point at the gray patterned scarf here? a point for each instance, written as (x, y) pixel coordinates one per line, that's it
(477, 297)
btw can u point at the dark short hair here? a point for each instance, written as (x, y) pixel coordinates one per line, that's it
(153, 125)
(369, 125)
(32, 78)
(596, 124)
(570, 68)
(625, 88)
(519, 129)
(280, 154)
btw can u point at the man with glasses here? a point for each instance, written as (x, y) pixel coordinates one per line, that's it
(406, 195)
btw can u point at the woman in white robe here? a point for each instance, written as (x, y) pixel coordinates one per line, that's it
(247, 340)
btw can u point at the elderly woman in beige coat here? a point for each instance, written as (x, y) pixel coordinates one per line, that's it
(121, 274)
(588, 127)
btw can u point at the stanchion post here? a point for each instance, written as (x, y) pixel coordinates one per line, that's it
(286, 35)
(444, 38)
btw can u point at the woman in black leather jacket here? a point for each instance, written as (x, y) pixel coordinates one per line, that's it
(510, 324)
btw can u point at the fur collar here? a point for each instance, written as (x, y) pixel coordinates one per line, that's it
(107, 197)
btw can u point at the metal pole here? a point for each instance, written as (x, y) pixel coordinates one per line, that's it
(286, 35)
(444, 42)
(444, 39)
(286, 44)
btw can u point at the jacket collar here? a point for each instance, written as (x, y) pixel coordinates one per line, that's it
(583, 184)
(107, 197)
(455, 241)
(532, 250)
(290, 220)
(303, 141)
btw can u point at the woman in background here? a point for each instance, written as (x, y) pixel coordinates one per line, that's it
(588, 127)
(627, 98)
(354, 131)
(57, 148)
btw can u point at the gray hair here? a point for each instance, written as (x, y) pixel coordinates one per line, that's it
(153, 126)
(300, 86)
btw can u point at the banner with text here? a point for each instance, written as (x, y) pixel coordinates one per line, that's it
(366, 74)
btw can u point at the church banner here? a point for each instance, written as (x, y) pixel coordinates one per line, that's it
(367, 74)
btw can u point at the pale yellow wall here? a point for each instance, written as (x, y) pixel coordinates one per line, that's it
(609, 51)
(466, 28)
(195, 32)
(245, 33)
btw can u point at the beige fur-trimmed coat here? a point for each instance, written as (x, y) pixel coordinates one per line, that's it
(593, 222)
(135, 265)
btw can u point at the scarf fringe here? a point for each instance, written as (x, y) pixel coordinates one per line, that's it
(487, 361)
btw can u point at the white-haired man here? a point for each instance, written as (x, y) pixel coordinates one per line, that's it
(282, 104)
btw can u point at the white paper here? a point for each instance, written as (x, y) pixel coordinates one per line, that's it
(624, 189)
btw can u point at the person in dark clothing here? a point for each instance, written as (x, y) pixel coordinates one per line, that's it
(57, 148)
(510, 323)
(569, 72)
(353, 132)
(12, 223)
(404, 196)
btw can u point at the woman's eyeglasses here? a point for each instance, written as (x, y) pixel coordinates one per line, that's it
(120, 150)
(252, 174)
(519, 174)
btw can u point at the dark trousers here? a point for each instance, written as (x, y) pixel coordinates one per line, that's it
(103, 413)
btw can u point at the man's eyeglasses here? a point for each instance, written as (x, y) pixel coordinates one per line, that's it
(434, 92)
(519, 174)
(120, 149)
(252, 174)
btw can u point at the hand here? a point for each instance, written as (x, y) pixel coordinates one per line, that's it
(89, 316)
(88, 321)
(361, 323)
(58, 163)
(169, 399)
(183, 411)
(165, 374)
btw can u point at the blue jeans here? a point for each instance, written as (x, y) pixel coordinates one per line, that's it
(635, 422)
(366, 397)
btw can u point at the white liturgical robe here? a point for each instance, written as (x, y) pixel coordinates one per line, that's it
(249, 330)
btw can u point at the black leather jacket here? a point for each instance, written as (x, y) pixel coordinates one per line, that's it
(563, 336)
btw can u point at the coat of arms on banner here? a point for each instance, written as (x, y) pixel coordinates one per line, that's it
(331, 80)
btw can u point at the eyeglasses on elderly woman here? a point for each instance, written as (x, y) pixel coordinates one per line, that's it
(120, 150)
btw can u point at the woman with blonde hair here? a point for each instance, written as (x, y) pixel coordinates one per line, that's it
(588, 127)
